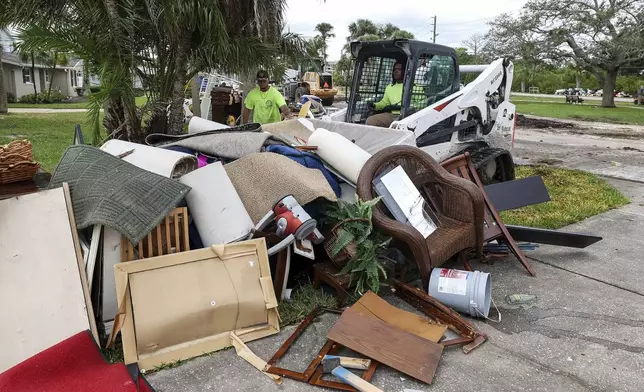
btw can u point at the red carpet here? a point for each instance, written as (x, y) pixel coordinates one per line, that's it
(73, 365)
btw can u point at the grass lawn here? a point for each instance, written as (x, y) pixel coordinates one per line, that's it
(50, 134)
(575, 195)
(140, 101)
(586, 112)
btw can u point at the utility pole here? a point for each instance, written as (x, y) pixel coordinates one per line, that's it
(434, 35)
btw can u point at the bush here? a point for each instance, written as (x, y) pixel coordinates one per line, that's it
(55, 97)
(11, 98)
(95, 89)
(139, 92)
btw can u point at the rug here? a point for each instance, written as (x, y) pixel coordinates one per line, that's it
(232, 143)
(108, 191)
(75, 364)
(262, 179)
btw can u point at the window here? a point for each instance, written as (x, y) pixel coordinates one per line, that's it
(72, 75)
(433, 81)
(374, 78)
(27, 76)
(47, 78)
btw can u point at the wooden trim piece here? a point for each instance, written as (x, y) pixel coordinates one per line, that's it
(81, 264)
(167, 235)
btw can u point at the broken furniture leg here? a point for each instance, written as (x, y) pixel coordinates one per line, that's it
(493, 226)
(351, 363)
(434, 309)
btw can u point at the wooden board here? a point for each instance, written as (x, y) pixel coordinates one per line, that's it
(375, 306)
(398, 349)
(43, 287)
(509, 195)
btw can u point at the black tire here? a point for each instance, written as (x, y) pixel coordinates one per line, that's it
(327, 101)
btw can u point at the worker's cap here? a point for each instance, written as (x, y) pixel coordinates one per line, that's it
(261, 74)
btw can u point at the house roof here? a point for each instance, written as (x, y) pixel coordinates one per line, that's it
(14, 59)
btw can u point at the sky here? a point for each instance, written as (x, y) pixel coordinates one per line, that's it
(456, 20)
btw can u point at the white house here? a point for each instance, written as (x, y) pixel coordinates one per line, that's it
(19, 79)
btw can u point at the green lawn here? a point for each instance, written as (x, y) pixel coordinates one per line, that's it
(586, 112)
(50, 134)
(575, 195)
(140, 101)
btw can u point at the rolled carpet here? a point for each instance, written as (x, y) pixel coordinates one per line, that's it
(262, 179)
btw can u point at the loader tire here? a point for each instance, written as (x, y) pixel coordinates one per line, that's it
(504, 165)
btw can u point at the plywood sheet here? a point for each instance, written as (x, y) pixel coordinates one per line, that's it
(394, 347)
(375, 306)
(42, 298)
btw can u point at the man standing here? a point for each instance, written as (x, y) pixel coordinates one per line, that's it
(268, 104)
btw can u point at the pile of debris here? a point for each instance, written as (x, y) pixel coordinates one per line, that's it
(184, 246)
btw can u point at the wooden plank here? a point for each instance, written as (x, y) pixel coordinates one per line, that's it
(185, 229)
(141, 249)
(510, 195)
(398, 349)
(93, 251)
(130, 251)
(177, 236)
(159, 241)
(375, 306)
(167, 235)
(42, 276)
(150, 251)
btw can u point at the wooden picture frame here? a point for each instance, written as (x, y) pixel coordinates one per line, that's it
(178, 306)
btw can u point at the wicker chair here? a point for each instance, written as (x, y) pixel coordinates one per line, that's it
(456, 205)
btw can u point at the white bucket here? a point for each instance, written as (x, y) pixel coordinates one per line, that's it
(466, 292)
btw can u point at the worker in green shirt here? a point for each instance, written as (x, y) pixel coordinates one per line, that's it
(268, 104)
(393, 97)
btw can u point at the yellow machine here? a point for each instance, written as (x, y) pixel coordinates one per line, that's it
(321, 85)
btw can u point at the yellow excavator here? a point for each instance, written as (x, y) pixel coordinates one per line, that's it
(320, 85)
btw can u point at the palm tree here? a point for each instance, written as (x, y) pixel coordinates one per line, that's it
(162, 43)
(326, 32)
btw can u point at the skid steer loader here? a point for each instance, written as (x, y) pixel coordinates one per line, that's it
(445, 117)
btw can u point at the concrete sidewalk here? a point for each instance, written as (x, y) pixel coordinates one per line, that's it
(585, 332)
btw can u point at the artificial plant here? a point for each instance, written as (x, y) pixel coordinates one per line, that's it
(354, 228)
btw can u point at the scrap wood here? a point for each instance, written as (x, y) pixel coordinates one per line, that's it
(250, 357)
(313, 373)
(441, 313)
(373, 305)
(391, 346)
(44, 289)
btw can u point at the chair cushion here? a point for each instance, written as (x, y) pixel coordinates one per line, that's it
(449, 238)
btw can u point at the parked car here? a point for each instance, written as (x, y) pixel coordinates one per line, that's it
(561, 91)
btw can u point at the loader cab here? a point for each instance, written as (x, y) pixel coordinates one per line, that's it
(430, 74)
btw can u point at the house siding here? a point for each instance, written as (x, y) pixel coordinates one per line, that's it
(19, 88)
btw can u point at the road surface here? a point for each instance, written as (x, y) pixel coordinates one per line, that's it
(586, 97)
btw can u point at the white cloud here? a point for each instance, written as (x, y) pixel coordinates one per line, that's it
(456, 20)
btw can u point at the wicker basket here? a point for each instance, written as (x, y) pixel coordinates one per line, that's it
(349, 251)
(17, 172)
(11, 159)
(20, 147)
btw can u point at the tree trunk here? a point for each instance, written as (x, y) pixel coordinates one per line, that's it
(51, 75)
(86, 89)
(175, 118)
(577, 81)
(608, 100)
(3, 92)
(33, 76)
(196, 102)
(523, 86)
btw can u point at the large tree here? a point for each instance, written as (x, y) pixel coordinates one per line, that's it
(162, 43)
(326, 32)
(600, 36)
(475, 43)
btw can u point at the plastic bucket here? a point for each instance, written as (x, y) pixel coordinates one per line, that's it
(464, 291)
